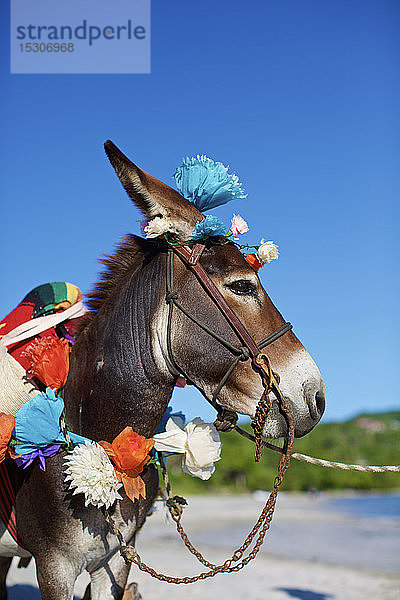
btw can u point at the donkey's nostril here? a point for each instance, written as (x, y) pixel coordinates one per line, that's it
(314, 396)
(320, 402)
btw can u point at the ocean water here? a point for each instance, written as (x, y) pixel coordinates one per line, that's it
(368, 505)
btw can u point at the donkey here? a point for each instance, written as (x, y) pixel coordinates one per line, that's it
(121, 374)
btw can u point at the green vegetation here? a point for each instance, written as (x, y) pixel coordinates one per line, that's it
(367, 439)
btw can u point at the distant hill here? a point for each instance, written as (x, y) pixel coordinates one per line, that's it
(367, 439)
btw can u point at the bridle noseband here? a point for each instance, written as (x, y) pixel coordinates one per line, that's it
(250, 350)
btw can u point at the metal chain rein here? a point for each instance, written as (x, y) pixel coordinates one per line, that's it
(262, 525)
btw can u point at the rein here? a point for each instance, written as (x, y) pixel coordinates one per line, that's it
(226, 421)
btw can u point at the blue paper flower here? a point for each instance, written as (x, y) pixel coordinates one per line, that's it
(168, 414)
(37, 423)
(206, 183)
(209, 226)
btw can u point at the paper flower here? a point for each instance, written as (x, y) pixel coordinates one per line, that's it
(129, 452)
(238, 226)
(206, 183)
(159, 226)
(91, 473)
(198, 441)
(7, 423)
(267, 251)
(143, 225)
(166, 416)
(209, 226)
(254, 261)
(24, 460)
(49, 358)
(181, 381)
(37, 423)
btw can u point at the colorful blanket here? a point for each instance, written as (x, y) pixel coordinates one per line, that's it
(44, 300)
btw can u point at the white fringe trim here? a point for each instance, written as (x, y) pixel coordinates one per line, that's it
(35, 326)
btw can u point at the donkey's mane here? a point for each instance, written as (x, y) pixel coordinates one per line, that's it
(129, 255)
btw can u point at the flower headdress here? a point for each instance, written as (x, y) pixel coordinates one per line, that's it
(206, 184)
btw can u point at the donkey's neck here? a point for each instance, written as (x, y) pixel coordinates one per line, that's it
(114, 380)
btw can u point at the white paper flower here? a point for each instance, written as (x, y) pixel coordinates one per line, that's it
(198, 441)
(91, 473)
(267, 251)
(159, 226)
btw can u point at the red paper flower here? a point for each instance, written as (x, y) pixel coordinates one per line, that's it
(181, 382)
(254, 261)
(49, 359)
(7, 424)
(129, 452)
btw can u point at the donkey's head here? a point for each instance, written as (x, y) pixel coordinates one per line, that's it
(199, 355)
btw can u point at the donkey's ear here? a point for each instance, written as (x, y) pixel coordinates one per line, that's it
(152, 197)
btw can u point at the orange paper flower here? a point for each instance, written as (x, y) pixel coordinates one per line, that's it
(7, 424)
(129, 452)
(253, 261)
(50, 361)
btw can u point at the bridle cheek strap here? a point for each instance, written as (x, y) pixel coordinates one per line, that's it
(251, 350)
(216, 295)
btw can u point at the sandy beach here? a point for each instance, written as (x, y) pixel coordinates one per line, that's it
(312, 552)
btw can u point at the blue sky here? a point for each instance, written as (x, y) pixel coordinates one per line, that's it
(301, 99)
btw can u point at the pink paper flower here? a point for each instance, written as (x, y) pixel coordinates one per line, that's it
(238, 226)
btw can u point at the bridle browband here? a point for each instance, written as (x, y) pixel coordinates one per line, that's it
(250, 350)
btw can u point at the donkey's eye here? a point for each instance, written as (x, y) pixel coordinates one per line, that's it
(243, 287)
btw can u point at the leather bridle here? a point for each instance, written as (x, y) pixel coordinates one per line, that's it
(250, 350)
